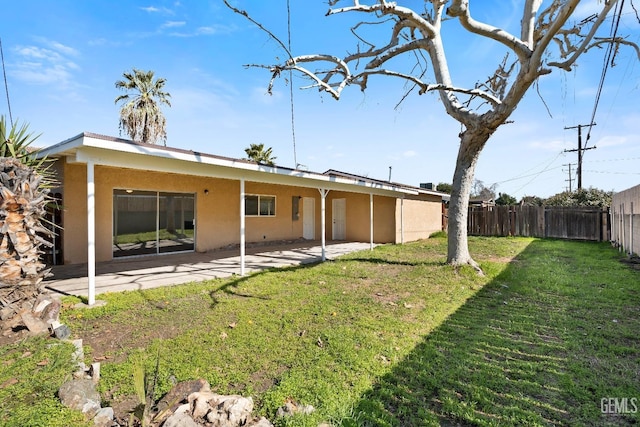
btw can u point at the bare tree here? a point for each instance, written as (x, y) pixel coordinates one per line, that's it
(549, 39)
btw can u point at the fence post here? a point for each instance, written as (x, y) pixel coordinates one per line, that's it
(630, 251)
(621, 227)
(612, 221)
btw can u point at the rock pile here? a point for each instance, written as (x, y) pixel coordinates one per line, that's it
(205, 408)
(188, 404)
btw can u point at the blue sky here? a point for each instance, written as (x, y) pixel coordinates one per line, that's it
(62, 59)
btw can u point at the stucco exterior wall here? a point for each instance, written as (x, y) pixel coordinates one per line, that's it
(357, 217)
(217, 211)
(422, 217)
(625, 220)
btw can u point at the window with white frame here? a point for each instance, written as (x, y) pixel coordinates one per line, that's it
(259, 205)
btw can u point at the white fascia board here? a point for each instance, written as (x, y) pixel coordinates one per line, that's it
(66, 146)
(110, 153)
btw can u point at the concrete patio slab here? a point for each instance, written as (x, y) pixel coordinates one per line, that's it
(166, 270)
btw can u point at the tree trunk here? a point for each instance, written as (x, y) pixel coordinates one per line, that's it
(22, 209)
(471, 143)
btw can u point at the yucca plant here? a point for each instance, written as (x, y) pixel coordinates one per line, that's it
(25, 182)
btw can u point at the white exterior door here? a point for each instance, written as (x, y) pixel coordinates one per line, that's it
(309, 218)
(339, 213)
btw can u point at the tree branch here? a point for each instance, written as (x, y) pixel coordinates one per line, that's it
(554, 26)
(460, 9)
(426, 87)
(586, 43)
(391, 8)
(256, 23)
(529, 21)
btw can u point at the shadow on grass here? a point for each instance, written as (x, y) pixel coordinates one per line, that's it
(384, 261)
(231, 285)
(508, 356)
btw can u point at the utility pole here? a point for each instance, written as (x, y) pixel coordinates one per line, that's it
(570, 177)
(580, 150)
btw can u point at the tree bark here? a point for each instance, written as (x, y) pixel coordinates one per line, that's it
(471, 143)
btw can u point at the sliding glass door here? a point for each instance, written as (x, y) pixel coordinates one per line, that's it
(176, 226)
(149, 222)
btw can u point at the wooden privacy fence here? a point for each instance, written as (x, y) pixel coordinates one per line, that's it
(575, 223)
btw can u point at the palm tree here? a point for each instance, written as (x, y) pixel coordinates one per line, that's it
(258, 154)
(24, 194)
(140, 115)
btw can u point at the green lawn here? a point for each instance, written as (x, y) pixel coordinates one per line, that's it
(386, 337)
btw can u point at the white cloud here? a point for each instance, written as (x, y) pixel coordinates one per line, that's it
(46, 65)
(202, 31)
(66, 50)
(555, 145)
(161, 10)
(410, 153)
(173, 24)
(612, 141)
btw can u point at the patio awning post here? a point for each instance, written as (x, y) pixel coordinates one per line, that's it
(323, 222)
(402, 220)
(242, 228)
(91, 233)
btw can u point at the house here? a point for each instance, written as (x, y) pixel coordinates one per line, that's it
(121, 198)
(481, 202)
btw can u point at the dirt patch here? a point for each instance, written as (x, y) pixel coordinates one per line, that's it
(111, 341)
(12, 335)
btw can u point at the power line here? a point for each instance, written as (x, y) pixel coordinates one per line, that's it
(534, 174)
(546, 169)
(613, 160)
(615, 173)
(6, 86)
(526, 174)
(609, 56)
(293, 126)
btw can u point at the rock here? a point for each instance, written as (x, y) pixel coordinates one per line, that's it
(6, 313)
(306, 409)
(180, 419)
(200, 404)
(51, 311)
(221, 411)
(40, 304)
(104, 417)
(81, 395)
(35, 325)
(262, 422)
(185, 408)
(62, 332)
(231, 410)
(286, 410)
(291, 408)
(94, 372)
(179, 394)
(78, 357)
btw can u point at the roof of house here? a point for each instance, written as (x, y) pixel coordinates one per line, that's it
(118, 152)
